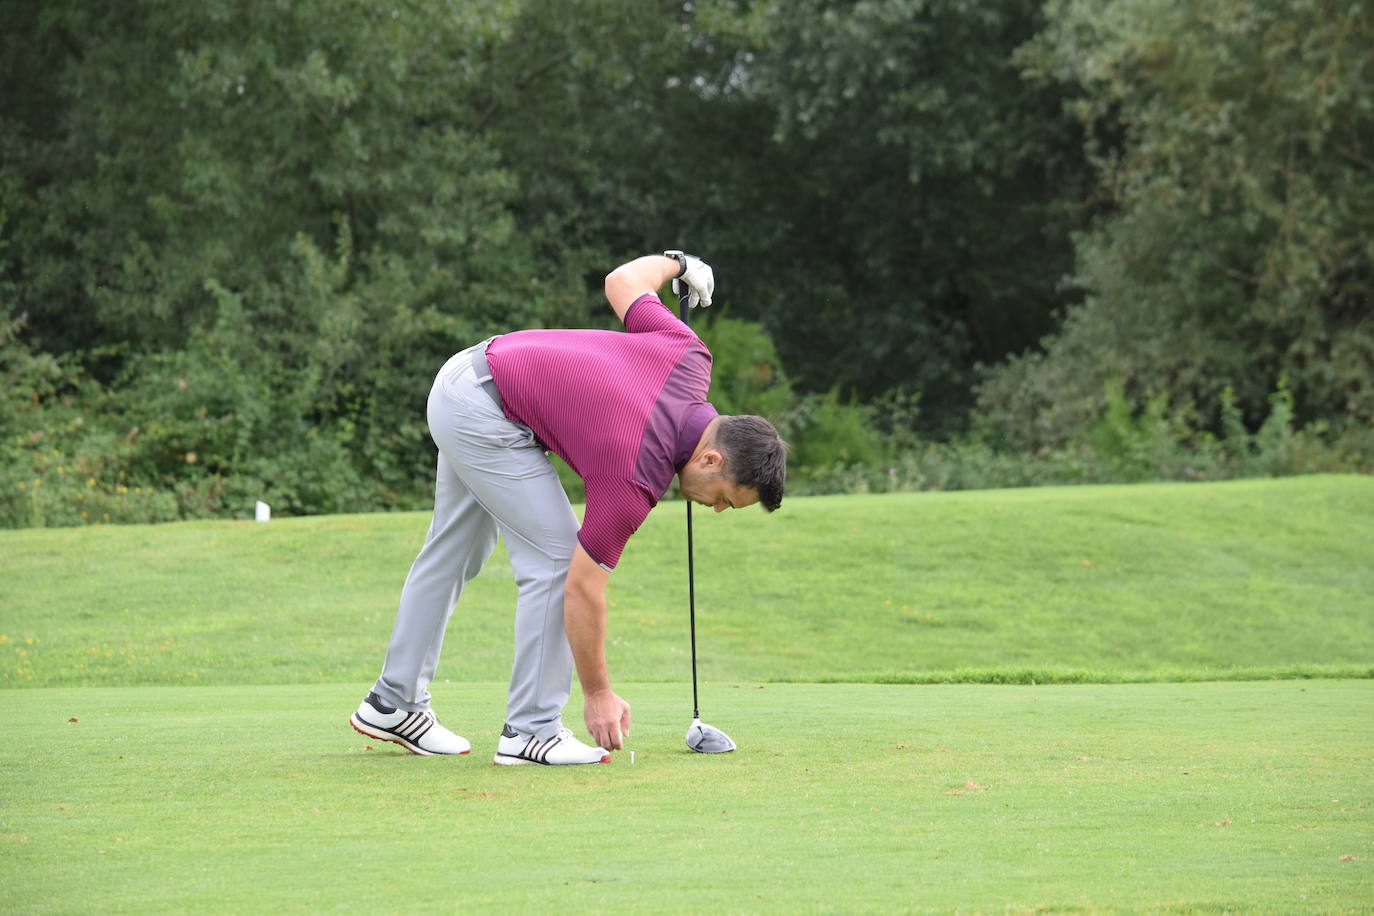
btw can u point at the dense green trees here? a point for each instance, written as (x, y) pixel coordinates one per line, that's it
(1234, 142)
(933, 191)
(237, 238)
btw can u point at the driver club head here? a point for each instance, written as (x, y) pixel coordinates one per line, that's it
(707, 739)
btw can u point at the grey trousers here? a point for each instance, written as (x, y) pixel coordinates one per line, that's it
(492, 476)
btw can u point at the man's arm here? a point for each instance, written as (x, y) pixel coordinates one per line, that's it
(634, 278)
(607, 716)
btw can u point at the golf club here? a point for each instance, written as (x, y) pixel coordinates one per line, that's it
(702, 738)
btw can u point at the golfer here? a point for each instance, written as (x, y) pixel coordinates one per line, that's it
(626, 411)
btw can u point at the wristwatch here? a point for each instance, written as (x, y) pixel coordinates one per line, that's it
(679, 257)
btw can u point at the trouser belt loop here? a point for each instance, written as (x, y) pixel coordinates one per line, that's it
(483, 371)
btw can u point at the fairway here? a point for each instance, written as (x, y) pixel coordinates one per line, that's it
(1080, 584)
(1235, 797)
(361, 366)
(1153, 698)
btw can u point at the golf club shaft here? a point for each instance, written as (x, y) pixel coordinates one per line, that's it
(691, 576)
(692, 613)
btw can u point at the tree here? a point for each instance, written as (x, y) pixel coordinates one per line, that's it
(1234, 140)
(930, 193)
(875, 182)
(284, 215)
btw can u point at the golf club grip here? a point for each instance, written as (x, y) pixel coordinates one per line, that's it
(684, 294)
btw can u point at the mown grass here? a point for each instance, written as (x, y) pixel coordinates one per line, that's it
(177, 695)
(1091, 584)
(1198, 798)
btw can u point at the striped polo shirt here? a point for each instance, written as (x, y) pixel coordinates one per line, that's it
(624, 410)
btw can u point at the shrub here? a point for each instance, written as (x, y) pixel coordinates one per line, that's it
(59, 463)
(825, 434)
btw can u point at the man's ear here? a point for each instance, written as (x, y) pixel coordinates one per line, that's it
(712, 460)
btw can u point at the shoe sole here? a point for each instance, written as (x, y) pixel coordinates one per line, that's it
(506, 760)
(364, 729)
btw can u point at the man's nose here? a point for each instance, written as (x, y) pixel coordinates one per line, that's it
(720, 507)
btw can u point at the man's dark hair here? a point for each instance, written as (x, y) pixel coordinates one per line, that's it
(755, 456)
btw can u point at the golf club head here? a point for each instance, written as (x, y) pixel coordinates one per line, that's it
(707, 739)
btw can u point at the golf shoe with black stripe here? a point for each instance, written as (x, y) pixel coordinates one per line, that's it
(417, 732)
(561, 750)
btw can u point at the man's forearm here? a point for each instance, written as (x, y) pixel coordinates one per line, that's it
(584, 619)
(634, 278)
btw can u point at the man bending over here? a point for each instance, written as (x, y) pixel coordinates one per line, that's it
(626, 411)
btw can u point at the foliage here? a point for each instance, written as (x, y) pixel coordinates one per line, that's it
(237, 240)
(1124, 445)
(1235, 143)
(62, 469)
(746, 374)
(930, 195)
(265, 241)
(235, 132)
(826, 432)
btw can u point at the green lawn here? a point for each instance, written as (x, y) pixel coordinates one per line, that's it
(175, 701)
(1149, 582)
(1231, 797)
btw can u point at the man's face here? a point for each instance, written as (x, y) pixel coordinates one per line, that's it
(712, 489)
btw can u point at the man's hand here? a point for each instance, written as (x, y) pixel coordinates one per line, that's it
(608, 719)
(698, 277)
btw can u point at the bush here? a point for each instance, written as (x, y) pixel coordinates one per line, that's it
(59, 464)
(746, 375)
(1231, 249)
(825, 434)
(1123, 446)
(205, 432)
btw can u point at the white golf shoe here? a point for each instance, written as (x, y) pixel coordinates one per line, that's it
(417, 732)
(561, 750)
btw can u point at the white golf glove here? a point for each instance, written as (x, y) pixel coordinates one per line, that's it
(697, 275)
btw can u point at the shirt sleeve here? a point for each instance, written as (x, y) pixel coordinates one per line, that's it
(616, 507)
(648, 314)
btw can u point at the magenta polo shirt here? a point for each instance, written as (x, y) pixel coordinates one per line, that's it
(624, 410)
